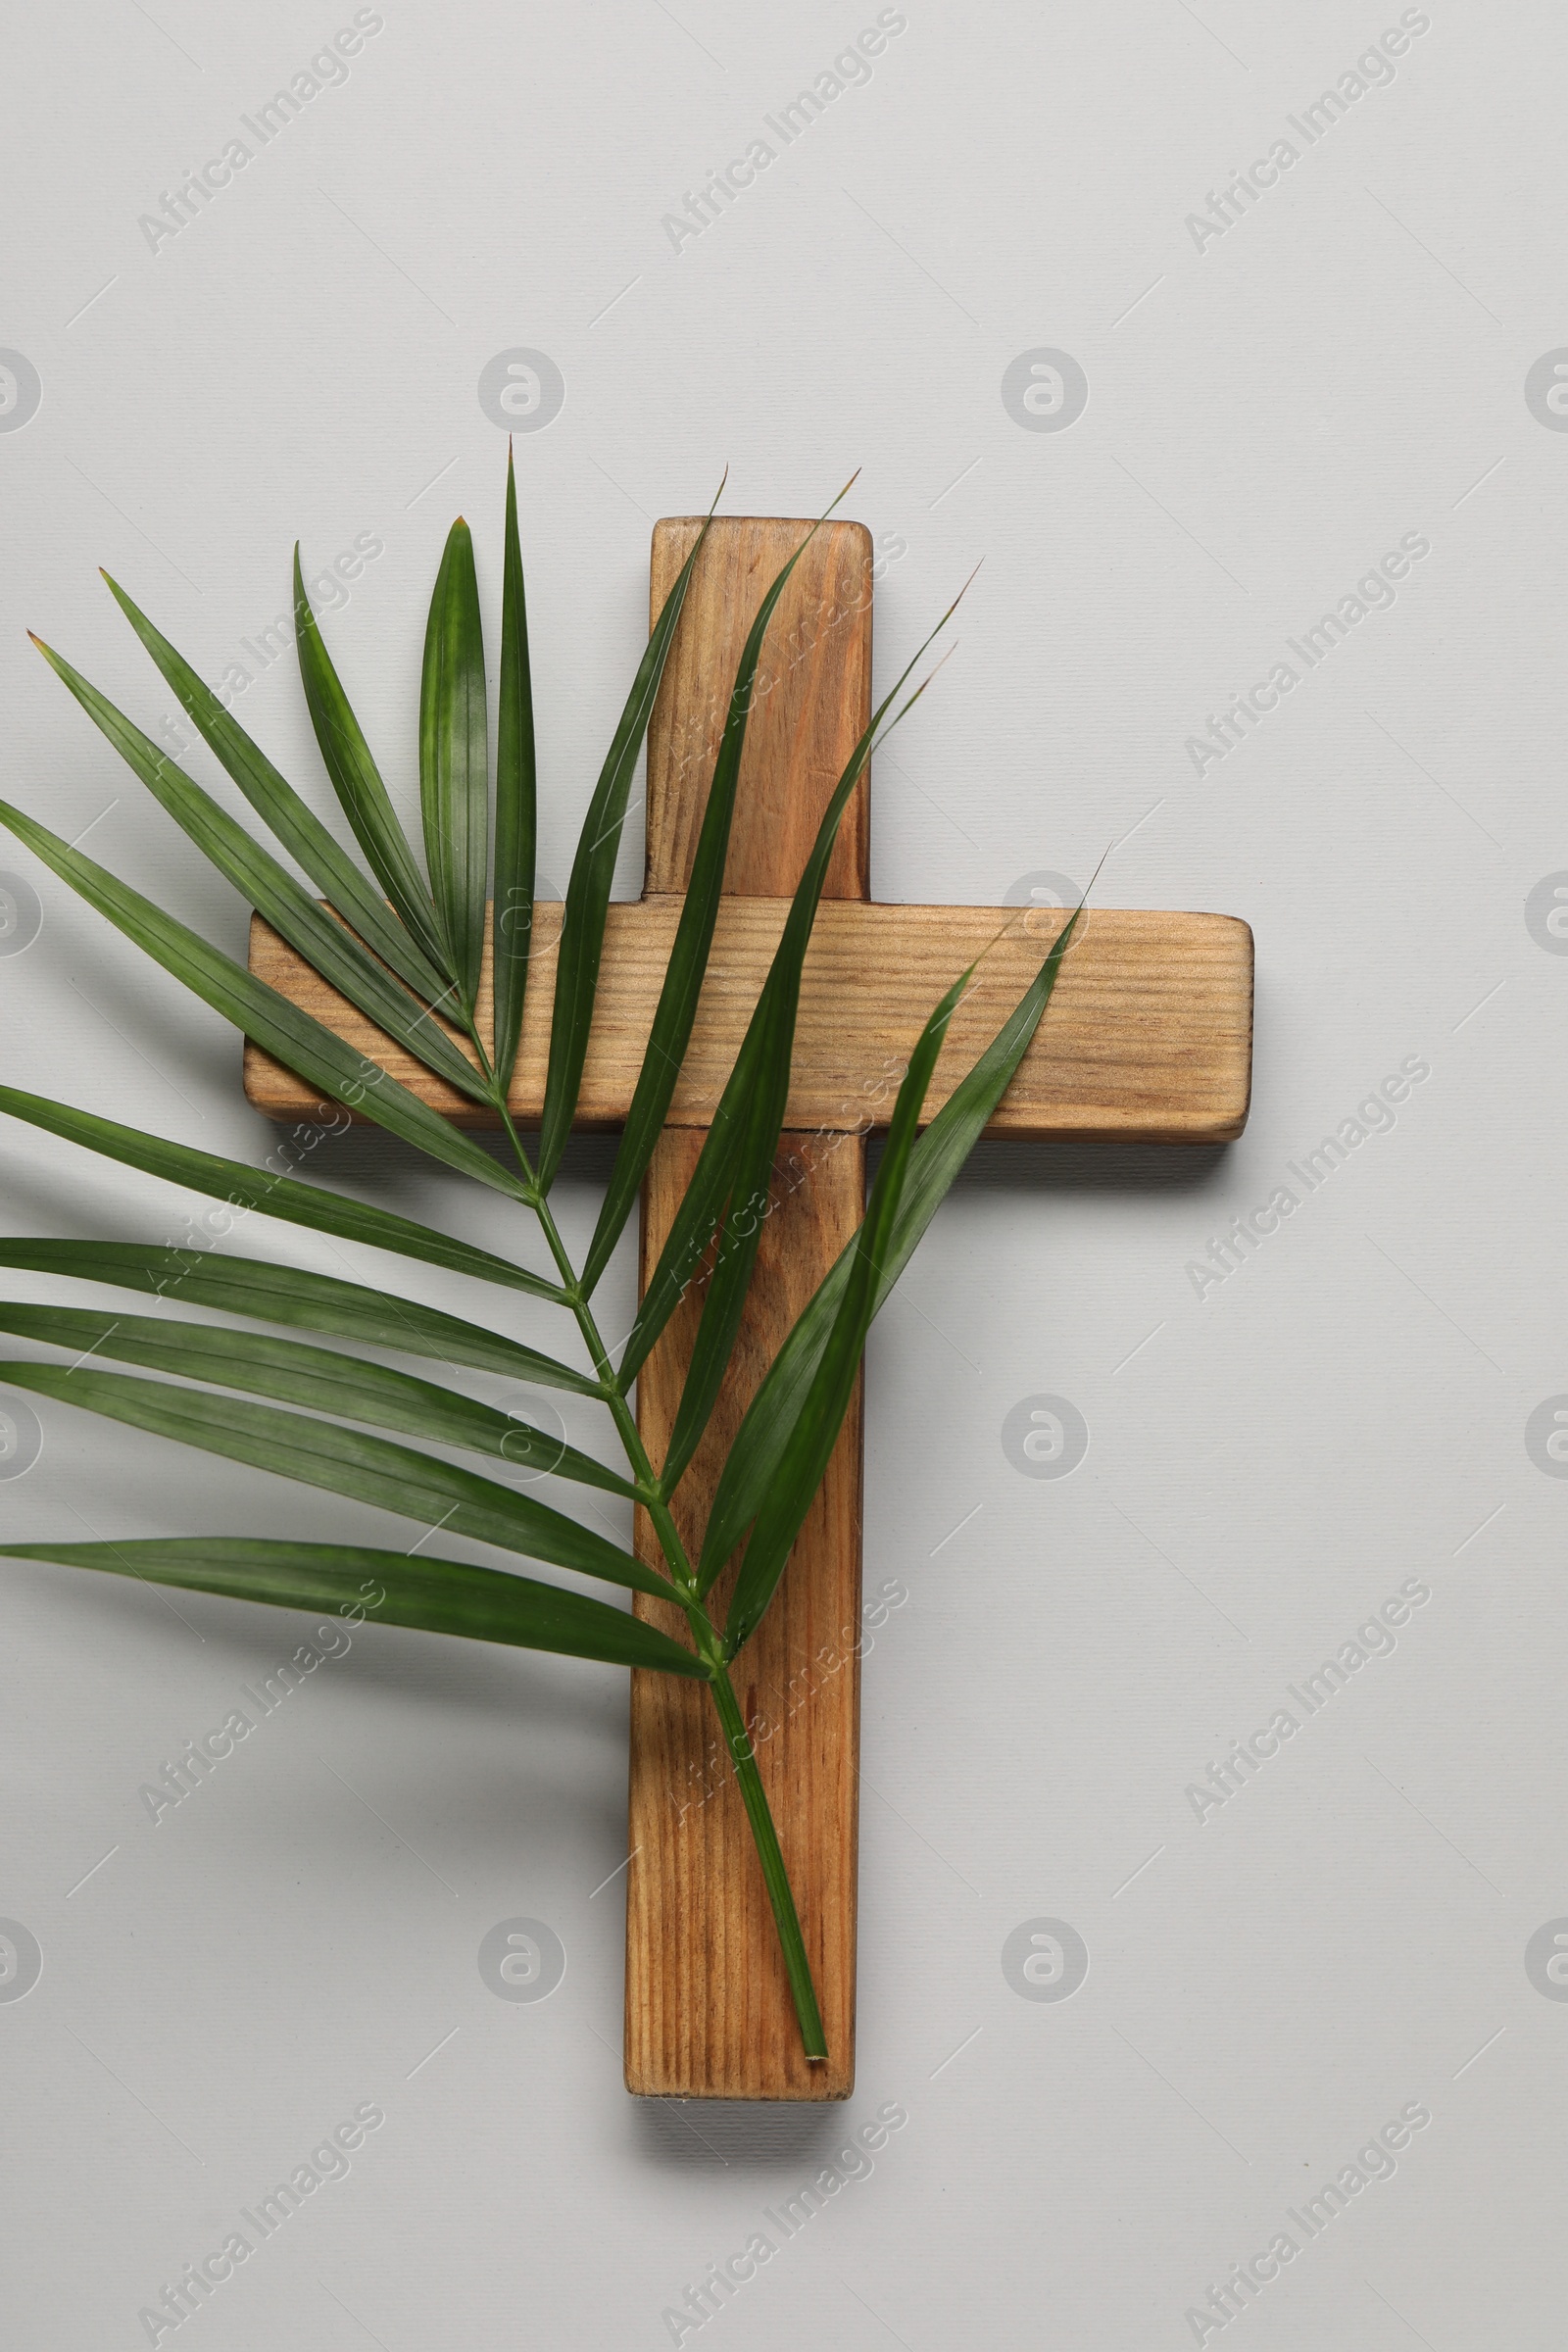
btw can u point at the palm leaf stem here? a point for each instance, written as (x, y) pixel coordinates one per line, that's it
(706, 1637)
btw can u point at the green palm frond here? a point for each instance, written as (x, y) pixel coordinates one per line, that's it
(804, 1455)
(455, 761)
(934, 1165)
(743, 1142)
(281, 808)
(517, 808)
(294, 1298)
(329, 946)
(407, 951)
(356, 781)
(345, 1461)
(325, 1380)
(260, 1013)
(676, 1010)
(433, 1597)
(592, 871)
(270, 1193)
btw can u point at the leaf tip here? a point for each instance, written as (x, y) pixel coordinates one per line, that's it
(1089, 886)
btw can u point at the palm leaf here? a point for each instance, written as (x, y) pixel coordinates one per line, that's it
(278, 804)
(432, 1595)
(356, 781)
(736, 1160)
(220, 1390)
(322, 1303)
(760, 1123)
(516, 809)
(799, 1471)
(318, 1378)
(455, 761)
(326, 944)
(271, 1195)
(934, 1165)
(282, 1028)
(677, 1010)
(593, 869)
(343, 1461)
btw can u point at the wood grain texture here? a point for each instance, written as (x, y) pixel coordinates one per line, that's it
(708, 2013)
(1148, 1039)
(811, 703)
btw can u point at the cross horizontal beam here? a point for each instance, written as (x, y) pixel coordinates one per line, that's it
(1147, 1038)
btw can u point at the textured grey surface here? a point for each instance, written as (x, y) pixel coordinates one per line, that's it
(1270, 410)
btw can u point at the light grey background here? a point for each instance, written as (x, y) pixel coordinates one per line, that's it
(1270, 410)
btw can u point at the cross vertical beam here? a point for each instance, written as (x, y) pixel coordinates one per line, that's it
(708, 2013)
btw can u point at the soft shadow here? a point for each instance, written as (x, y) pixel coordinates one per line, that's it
(757, 2134)
(367, 1156)
(1136, 1168)
(367, 1149)
(247, 1641)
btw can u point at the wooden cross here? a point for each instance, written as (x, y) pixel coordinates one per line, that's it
(1147, 1039)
